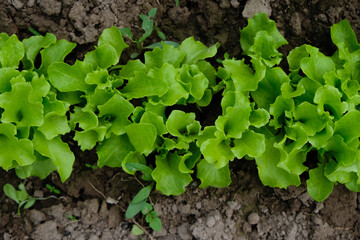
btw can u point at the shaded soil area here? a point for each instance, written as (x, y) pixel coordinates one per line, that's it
(96, 198)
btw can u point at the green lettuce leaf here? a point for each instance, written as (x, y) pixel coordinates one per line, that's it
(251, 144)
(19, 109)
(33, 45)
(11, 52)
(318, 186)
(58, 151)
(66, 78)
(112, 151)
(142, 136)
(211, 176)
(113, 37)
(12, 149)
(54, 53)
(116, 111)
(195, 50)
(260, 22)
(269, 172)
(169, 179)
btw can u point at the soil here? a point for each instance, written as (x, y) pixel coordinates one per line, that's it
(97, 197)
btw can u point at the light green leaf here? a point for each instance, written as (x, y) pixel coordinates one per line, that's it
(178, 124)
(154, 221)
(217, 152)
(6, 75)
(135, 161)
(100, 78)
(342, 152)
(87, 139)
(264, 48)
(66, 78)
(235, 122)
(243, 77)
(343, 33)
(167, 54)
(142, 85)
(307, 116)
(337, 172)
(169, 179)
(259, 117)
(329, 100)
(320, 139)
(19, 109)
(260, 22)
(12, 149)
(131, 67)
(318, 186)
(270, 174)
(113, 37)
(142, 136)
(11, 52)
(112, 151)
(103, 56)
(211, 176)
(195, 50)
(194, 81)
(58, 151)
(251, 144)
(136, 230)
(41, 168)
(281, 110)
(346, 126)
(175, 90)
(33, 45)
(316, 65)
(156, 120)
(85, 118)
(295, 56)
(116, 111)
(54, 125)
(55, 53)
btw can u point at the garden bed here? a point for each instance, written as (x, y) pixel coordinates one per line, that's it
(92, 202)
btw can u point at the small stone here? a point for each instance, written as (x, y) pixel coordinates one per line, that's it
(255, 6)
(295, 23)
(36, 216)
(235, 3)
(210, 221)
(224, 4)
(183, 232)
(45, 231)
(198, 205)
(93, 237)
(253, 218)
(50, 7)
(162, 233)
(246, 227)
(7, 236)
(185, 209)
(17, 4)
(233, 205)
(38, 194)
(114, 216)
(31, 3)
(317, 220)
(174, 208)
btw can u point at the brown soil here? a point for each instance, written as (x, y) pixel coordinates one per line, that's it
(245, 210)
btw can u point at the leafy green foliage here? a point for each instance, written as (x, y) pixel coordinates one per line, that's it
(21, 197)
(129, 113)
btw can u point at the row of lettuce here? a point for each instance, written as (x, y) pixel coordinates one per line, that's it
(268, 115)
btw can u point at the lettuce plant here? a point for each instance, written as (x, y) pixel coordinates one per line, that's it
(131, 115)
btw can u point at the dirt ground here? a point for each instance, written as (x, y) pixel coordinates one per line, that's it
(246, 210)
